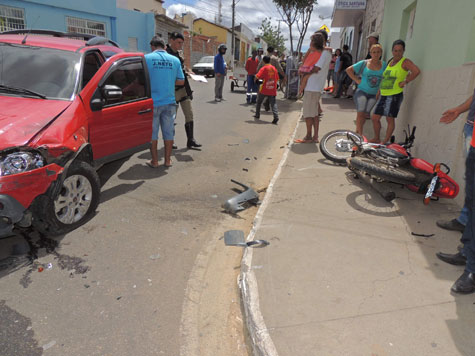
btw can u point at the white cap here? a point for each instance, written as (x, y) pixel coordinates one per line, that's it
(373, 34)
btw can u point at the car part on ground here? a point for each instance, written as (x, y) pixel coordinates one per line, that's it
(240, 201)
(236, 238)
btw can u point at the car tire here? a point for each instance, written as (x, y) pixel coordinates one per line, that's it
(72, 205)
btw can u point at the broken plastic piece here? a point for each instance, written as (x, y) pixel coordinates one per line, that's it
(40, 269)
(422, 235)
(236, 238)
(235, 204)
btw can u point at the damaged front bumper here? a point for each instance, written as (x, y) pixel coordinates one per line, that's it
(18, 191)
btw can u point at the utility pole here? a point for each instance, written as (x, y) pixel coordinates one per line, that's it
(220, 15)
(232, 35)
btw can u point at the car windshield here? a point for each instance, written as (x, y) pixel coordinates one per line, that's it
(46, 72)
(206, 60)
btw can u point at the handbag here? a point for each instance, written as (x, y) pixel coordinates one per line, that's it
(360, 72)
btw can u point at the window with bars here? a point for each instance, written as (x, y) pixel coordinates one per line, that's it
(11, 18)
(84, 26)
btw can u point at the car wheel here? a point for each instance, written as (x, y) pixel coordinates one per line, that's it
(73, 204)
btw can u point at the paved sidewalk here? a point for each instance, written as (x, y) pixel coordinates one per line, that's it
(343, 275)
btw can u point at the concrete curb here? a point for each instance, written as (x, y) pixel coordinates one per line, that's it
(262, 343)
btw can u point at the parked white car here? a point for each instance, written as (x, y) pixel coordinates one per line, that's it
(205, 66)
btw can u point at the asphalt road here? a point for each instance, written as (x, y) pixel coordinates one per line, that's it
(149, 274)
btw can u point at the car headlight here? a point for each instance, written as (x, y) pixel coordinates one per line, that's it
(19, 162)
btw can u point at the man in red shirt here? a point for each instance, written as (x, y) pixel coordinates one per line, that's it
(269, 76)
(251, 68)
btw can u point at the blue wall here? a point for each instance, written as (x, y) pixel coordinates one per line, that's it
(120, 23)
(135, 24)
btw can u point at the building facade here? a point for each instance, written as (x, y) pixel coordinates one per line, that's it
(440, 39)
(99, 18)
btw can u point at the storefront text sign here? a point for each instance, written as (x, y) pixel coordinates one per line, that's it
(350, 4)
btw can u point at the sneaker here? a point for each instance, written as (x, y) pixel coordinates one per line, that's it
(217, 100)
(275, 121)
(452, 225)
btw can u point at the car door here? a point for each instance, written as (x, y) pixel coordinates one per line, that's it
(124, 123)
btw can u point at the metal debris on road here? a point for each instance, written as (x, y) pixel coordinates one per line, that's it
(236, 238)
(238, 202)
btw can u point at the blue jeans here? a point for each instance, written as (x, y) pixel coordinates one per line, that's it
(251, 95)
(164, 117)
(468, 239)
(467, 135)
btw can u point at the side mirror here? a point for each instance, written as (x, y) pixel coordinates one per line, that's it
(97, 104)
(111, 92)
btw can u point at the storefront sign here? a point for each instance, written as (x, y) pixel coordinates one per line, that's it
(350, 4)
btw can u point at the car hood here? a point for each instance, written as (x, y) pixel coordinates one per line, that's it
(22, 118)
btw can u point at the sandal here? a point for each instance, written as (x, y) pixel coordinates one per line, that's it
(151, 165)
(304, 140)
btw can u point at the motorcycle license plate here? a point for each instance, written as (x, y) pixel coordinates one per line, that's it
(431, 188)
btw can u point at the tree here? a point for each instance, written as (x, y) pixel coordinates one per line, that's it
(303, 19)
(296, 12)
(271, 35)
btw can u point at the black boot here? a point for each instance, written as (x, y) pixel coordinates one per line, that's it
(190, 143)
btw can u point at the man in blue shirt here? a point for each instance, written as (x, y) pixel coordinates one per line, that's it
(219, 72)
(165, 73)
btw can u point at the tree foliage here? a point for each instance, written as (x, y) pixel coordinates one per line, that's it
(296, 12)
(271, 35)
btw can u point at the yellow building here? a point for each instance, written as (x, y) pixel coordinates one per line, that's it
(204, 27)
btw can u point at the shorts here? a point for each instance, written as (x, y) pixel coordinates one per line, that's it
(364, 102)
(389, 105)
(164, 117)
(310, 103)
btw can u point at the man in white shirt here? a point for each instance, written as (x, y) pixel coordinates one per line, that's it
(313, 91)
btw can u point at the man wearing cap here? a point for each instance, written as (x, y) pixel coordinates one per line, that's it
(373, 38)
(219, 72)
(183, 93)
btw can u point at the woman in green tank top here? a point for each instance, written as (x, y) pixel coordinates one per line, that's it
(398, 73)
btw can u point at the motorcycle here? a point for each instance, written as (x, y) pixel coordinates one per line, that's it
(392, 163)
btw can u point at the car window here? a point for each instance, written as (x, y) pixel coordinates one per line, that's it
(92, 63)
(130, 77)
(46, 71)
(207, 60)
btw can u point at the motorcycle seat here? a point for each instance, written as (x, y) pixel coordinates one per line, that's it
(387, 152)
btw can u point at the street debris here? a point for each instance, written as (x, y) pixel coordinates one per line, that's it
(214, 196)
(40, 269)
(245, 140)
(422, 235)
(236, 238)
(233, 144)
(238, 202)
(49, 345)
(245, 170)
(247, 159)
(49, 266)
(155, 257)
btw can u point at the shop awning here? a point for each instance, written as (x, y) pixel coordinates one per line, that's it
(346, 13)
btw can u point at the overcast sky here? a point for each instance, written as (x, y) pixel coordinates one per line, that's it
(251, 13)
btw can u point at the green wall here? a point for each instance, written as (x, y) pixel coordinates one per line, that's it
(443, 33)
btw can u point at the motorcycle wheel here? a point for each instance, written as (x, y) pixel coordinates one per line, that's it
(383, 170)
(337, 146)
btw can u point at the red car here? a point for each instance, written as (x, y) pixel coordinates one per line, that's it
(67, 106)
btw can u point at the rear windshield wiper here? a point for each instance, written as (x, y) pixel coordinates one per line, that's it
(11, 89)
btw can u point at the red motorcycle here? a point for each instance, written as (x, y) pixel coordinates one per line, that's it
(392, 163)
